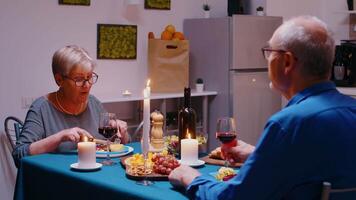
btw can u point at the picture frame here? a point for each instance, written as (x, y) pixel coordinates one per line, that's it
(116, 41)
(74, 2)
(158, 4)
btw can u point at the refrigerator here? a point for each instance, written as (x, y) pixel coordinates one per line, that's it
(226, 54)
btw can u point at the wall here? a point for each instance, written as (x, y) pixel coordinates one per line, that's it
(31, 31)
(330, 11)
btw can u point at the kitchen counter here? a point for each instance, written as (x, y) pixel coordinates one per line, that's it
(348, 90)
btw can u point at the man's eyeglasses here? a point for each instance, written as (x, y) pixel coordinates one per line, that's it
(266, 51)
(80, 82)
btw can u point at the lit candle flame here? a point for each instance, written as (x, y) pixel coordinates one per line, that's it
(148, 83)
(188, 135)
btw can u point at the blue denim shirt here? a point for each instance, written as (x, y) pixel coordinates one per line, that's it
(313, 139)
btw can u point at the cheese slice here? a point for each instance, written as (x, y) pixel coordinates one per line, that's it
(116, 147)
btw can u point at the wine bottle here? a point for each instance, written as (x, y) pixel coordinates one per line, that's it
(186, 119)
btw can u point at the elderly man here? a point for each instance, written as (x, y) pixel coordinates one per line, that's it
(313, 139)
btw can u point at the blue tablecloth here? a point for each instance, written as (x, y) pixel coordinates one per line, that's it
(48, 176)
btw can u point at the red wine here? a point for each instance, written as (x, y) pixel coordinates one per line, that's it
(107, 131)
(226, 137)
(186, 119)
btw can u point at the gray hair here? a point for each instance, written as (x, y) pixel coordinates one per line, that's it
(311, 42)
(68, 57)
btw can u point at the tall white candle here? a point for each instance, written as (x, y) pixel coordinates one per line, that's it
(86, 154)
(189, 151)
(146, 118)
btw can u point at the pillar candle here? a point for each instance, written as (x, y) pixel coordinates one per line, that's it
(189, 151)
(146, 118)
(86, 154)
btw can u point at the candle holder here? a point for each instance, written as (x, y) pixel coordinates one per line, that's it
(145, 181)
(145, 144)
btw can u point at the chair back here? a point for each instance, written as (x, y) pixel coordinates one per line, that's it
(13, 127)
(327, 191)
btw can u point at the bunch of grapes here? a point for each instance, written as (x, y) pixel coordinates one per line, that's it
(171, 143)
(164, 164)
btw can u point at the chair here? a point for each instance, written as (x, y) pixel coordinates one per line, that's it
(12, 134)
(327, 191)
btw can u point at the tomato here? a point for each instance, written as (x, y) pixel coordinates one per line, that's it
(228, 177)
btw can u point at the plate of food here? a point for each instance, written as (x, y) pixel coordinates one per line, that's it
(158, 166)
(116, 150)
(224, 173)
(215, 158)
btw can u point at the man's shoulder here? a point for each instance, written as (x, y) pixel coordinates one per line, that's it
(313, 107)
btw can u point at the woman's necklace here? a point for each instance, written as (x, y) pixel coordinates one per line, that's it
(66, 111)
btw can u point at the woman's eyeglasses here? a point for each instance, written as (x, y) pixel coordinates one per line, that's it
(80, 82)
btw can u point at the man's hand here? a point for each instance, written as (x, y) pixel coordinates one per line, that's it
(238, 153)
(182, 176)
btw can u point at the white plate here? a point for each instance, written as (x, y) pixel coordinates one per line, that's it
(195, 164)
(102, 154)
(76, 167)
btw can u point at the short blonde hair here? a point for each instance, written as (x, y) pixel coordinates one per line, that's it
(68, 57)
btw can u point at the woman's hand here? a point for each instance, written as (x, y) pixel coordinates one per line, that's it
(122, 131)
(238, 153)
(50, 143)
(72, 134)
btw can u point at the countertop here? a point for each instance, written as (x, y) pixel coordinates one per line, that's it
(105, 98)
(347, 90)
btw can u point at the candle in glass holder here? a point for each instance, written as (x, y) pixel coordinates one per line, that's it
(189, 151)
(86, 154)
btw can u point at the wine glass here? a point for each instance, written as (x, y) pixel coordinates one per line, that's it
(108, 129)
(226, 133)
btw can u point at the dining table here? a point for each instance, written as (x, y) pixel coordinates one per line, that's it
(49, 176)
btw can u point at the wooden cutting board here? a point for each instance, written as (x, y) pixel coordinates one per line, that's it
(219, 162)
(153, 176)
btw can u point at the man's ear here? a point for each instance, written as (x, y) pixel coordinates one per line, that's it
(289, 62)
(59, 79)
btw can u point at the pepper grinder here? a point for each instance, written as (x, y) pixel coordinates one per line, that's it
(157, 141)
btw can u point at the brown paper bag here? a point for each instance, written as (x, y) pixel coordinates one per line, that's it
(168, 65)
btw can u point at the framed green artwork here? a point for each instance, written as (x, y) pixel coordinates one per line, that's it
(74, 2)
(116, 41)
(158, 4)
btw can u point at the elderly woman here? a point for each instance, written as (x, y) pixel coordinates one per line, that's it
(55, 121)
